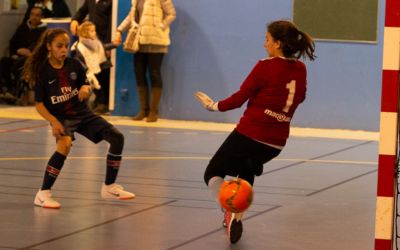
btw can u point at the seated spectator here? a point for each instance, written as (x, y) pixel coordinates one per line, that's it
(22, 44)
(50, 8)
(27, 34)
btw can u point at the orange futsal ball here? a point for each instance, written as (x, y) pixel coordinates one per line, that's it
(235, 195)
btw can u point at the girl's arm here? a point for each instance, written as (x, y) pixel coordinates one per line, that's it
(57, 127)
(169, 12)
(124, 26)
(109, 46)
(127, 22)
(248, 88)
(85, 89)
(84, 92)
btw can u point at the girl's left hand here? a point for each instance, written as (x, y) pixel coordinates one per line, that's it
(206, 101)
(162, 26)
(84, 92)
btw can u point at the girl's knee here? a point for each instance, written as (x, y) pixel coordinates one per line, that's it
(64, 145)
(115, 138)
(206, 177)
(210, 173)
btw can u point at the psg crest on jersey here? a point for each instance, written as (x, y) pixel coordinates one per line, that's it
(73, 75)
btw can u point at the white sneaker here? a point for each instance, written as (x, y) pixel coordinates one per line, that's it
(43, 199)
(115, 191)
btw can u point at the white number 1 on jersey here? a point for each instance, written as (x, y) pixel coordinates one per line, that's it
(289, 101)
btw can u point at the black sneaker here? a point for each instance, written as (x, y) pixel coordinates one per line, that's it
(235, 230)
(234, 226)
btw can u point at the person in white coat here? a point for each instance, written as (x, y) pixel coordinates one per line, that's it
(153, 19)
(90, 52)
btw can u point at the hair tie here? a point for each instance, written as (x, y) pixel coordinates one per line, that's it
(38, 5)
(299, 36)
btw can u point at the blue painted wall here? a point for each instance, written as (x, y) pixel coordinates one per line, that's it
(215, 43)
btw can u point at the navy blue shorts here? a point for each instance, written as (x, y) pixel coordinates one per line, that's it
(91, 126)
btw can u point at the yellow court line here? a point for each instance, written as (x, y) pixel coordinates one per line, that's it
(184, 158)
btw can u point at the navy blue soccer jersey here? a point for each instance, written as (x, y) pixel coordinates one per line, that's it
(58, 90)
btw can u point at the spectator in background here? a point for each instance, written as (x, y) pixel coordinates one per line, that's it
(22, 44)
(91, 53)
(99, 13)
(153, 18)
(50, 8)
(27, 34)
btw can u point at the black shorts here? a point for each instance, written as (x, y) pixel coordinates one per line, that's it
(240, 156)
(90, 126)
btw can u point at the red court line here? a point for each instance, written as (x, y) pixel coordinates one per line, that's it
(24, 128)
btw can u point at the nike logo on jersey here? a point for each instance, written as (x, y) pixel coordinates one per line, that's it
(52, 81)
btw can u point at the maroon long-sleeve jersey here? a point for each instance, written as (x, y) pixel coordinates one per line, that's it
(274, 89)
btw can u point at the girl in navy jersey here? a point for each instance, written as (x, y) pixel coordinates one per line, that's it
(61, 88)
(273, 90)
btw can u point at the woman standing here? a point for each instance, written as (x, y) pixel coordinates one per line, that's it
(153, 18)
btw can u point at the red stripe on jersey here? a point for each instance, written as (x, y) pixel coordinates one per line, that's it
(386, 168)
(392, 15)
(64, 83)
(62, 78)
(390, 80)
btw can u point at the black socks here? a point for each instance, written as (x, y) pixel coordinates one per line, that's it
(113, 163)
(53, 168)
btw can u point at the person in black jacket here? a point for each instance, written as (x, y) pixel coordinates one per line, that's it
(21, 46)
(27, 34)
(50, 8)
(99, 12)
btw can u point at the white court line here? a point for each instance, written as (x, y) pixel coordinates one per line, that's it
(331, 161)
(163, 133)
(191, 133)
(136, 132)
(214, 127)
(185, 158)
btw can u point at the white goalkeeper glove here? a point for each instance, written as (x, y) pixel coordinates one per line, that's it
(206, 101)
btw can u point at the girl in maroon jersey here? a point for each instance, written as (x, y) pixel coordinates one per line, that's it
(273, 90)
(60, 90)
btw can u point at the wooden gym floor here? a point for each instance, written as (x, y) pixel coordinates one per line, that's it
(318, 194)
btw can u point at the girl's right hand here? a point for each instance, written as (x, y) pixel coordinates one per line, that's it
(57, 129)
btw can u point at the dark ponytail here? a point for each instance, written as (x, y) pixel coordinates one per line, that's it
(294, 43)
(35, 62)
